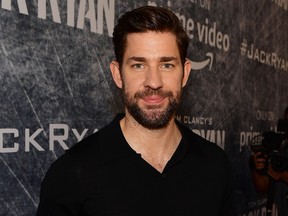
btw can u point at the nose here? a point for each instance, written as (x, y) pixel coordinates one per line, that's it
(153, 79)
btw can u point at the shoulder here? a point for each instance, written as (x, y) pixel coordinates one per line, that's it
(67, 176)
(94, 149)
(202, 148)
(100, 144)
(196, 141)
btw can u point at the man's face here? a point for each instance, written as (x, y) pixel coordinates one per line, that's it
(152, 77)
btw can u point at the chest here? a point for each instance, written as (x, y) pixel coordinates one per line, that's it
(134, 187)
(155, 161)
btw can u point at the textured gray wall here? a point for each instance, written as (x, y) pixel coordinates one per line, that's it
(56, 86)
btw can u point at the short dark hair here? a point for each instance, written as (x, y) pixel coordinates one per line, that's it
(148, 18)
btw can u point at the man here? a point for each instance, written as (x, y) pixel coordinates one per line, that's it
(274, 182)
(144, 162)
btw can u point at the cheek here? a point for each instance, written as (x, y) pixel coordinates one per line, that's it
(174, 83)
(130, 88)
(132, 83)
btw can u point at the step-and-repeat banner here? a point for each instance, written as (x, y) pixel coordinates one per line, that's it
(56, 88)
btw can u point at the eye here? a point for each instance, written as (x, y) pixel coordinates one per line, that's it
(167, 66)
(137, 66)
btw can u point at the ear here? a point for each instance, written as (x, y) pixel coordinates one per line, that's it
(116, 74)
(186, 70)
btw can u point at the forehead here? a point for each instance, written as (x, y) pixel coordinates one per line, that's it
(151, 45)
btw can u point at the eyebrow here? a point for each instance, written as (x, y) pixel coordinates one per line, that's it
(143, 59)
(168, 58)
(138, 59)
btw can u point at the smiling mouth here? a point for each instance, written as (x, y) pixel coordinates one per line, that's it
(153, 99)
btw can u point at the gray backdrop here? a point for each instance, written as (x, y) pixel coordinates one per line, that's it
(56, 86)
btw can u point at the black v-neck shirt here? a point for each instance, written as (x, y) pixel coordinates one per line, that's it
(103, 175)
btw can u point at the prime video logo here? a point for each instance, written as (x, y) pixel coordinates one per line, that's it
(202, 64)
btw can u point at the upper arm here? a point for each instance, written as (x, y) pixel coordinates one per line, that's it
(59, 189)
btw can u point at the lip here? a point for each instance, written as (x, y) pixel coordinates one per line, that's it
(153, 99)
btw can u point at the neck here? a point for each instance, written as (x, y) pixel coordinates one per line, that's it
(155, 146)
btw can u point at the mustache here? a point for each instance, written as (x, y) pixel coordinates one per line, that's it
(151, 92)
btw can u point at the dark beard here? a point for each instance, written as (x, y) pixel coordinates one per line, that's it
(155, 117)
